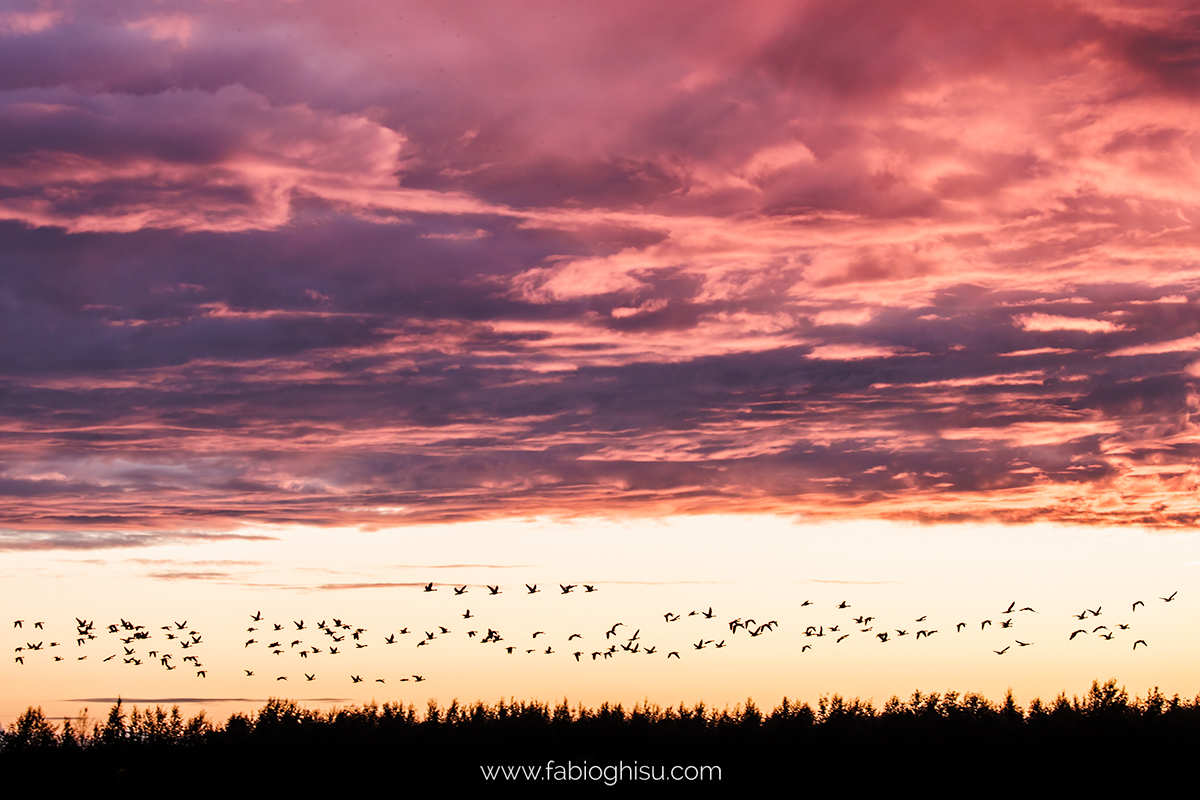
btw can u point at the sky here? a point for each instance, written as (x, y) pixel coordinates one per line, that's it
(304, 307)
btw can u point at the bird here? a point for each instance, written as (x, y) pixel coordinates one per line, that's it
(460, 590)
(1169, 599)
(493, 590)
(429, 587)
(532, 589)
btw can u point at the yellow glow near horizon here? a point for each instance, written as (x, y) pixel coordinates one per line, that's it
(758, 567)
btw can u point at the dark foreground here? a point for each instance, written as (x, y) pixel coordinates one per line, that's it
(1102, 743)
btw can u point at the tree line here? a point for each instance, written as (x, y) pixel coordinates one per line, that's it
(1081, 741)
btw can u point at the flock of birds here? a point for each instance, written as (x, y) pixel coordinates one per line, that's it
(1006, 620)
(178, 644)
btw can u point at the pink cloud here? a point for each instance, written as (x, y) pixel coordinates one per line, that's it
(291, 263)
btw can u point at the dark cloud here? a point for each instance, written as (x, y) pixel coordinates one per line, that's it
(928, 262)
(181, 575)
(105, 540)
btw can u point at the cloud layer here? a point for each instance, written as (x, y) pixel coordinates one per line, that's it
(279, 264)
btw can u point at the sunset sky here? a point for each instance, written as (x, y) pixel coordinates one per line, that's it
(305, 305)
